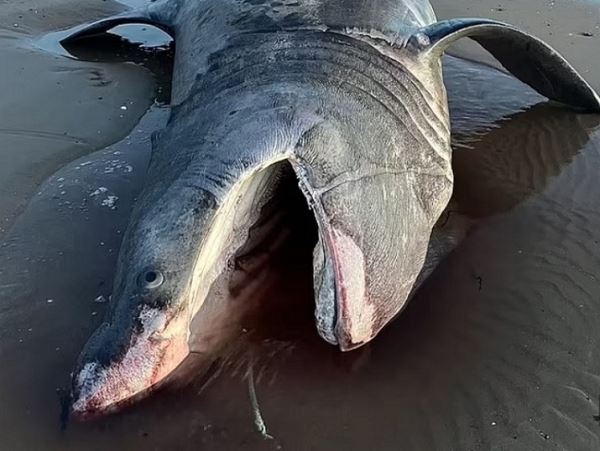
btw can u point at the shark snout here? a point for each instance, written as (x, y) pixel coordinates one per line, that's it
(111, 373)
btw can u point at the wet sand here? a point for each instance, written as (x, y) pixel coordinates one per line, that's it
(499, 350)
(47, 99)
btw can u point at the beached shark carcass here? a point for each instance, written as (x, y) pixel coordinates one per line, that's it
(346, 96)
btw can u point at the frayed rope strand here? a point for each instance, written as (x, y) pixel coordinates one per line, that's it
(258, 419)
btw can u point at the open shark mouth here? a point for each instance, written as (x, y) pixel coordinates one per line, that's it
(279, 240)
(264, 278)
(262, 288)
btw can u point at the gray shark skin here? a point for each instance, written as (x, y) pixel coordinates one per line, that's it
(345, 96)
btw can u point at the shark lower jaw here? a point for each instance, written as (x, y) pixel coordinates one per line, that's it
(344, 314)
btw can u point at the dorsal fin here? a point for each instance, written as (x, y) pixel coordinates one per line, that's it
(528, 58)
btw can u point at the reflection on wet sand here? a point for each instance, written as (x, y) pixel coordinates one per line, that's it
(521, 155)
(499, 349)
(55, 109)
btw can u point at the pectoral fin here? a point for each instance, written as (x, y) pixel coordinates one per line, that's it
(150, 16)
(528, 58)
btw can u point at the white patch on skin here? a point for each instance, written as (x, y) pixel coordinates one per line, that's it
(110, 202)
(356, 311)
(152, 320)
(115, 165)
(101, 190)
(87, 379)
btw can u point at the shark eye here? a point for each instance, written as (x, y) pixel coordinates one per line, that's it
(150, 279)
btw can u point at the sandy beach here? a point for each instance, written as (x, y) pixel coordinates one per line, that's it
(499, 350)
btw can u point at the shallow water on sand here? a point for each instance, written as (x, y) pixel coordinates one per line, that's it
(499, 350)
